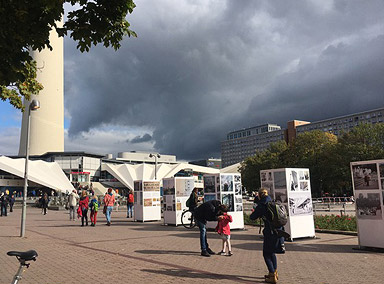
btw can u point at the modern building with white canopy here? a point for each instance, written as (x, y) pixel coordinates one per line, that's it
(46, 174)
(127, 173)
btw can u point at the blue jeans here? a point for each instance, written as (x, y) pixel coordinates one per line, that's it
(108, 213)
(203, 235)
(270, 261)
(129, 210)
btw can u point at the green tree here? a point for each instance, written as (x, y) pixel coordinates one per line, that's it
(315, 150)
(269, 159)
(26, 24)
(362, 143)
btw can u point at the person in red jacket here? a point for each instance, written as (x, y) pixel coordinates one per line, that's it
(224, 230)
(83, 204)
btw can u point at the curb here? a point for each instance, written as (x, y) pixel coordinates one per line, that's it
(348, 233)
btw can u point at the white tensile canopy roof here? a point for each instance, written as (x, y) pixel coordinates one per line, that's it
(127, 173)
(232, 169)
(47, 174)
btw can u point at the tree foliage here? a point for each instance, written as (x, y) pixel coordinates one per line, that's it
(327, 157)
(25, 25)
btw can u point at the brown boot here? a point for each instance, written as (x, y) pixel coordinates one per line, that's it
(267, 275)
(271, 278)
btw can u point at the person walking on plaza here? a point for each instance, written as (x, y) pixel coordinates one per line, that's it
(11, 202)
(224, 230)
(44, 204)
(94, 207)
(208, 211)
(83, 204)
(130, 201)
(272, 242)
(109, 201)
(73, 197)
(193, 200)
(4, 199)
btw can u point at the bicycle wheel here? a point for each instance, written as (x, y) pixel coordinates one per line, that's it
(187, 220)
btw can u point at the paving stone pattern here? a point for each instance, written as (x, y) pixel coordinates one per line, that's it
(132, 252)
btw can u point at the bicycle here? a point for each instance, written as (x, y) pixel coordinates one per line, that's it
(22, 257)
(188, 219)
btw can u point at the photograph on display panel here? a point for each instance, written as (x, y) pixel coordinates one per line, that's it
(148, 202)
(269, 176)
(237, 178)
(365, 176)
(238, 199)
(239, 207)
(208, 197)
(279, 180)
(381, 169)
(237, 188)
(228, 199)
(209, 184)
(304, 186)
(183, 187)
(263, 176)
(227, 183)
(368, 206)
(293, 181)
(281, 195)
(300, 204)
(304, 175)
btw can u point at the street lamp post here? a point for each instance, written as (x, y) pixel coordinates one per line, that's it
(34, 105)
(156, 156)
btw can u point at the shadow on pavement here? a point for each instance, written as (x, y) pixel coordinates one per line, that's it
(337, 248)
(197, 274)
(175, 252)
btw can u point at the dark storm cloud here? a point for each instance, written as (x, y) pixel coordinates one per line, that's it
(140, 139)
(201, 69)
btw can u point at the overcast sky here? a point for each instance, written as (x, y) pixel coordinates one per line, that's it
(200, 69)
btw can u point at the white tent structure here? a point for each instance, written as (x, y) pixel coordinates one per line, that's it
(47, 174)
(232, 169)
(127, 173)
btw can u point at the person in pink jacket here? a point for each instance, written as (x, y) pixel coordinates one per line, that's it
(109, 201)
(224, 230)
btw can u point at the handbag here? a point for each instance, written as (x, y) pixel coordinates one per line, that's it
(105, 209)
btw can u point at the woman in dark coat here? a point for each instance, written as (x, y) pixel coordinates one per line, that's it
(44, 204)
(272, 242)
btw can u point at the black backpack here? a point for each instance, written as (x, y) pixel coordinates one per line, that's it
(276, 214)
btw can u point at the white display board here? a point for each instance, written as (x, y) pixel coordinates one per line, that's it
(368, 189)
(147, 201)
(228, 189)
(292, 187)
(176, 191)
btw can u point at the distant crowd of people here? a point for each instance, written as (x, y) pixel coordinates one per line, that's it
(80, 205)
(6, 199)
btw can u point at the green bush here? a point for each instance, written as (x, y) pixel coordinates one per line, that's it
(336, 222)
(331, 222)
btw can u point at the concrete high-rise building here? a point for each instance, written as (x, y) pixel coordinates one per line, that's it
(244, 143)
(47, 123)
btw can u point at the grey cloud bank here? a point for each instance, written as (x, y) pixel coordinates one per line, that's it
(200, 69)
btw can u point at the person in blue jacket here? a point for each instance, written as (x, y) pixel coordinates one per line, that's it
(272, 242)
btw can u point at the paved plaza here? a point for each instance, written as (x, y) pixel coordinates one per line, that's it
(131, 252)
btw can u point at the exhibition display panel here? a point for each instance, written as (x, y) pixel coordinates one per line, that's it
(368, 189)
(176, 191)
(292, 187)
(147, 200)
(227, 189)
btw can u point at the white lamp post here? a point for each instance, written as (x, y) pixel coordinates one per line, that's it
(34, 105)
(156, 156)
